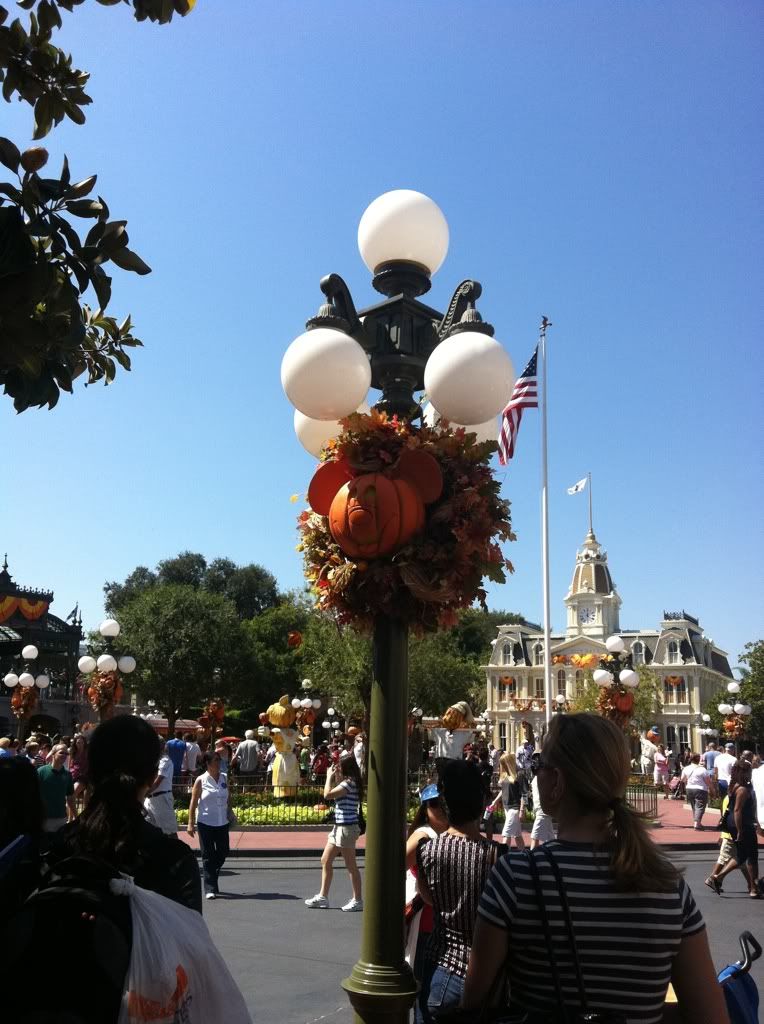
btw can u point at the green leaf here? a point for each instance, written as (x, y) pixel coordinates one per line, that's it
(81, 188)
(85, 207)
(65, 175)
(102, 285)
(129, 260)
(9, 155)
(43, 116)
(123, 359)
(8, 190)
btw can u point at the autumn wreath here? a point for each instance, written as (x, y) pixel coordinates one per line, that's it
(405, 521)
(104, 689)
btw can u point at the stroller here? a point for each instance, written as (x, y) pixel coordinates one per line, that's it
(740, 992)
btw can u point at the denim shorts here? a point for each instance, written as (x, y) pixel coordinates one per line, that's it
(445, 990)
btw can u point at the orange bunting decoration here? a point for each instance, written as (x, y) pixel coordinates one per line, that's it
(31, 610)
(559, 659)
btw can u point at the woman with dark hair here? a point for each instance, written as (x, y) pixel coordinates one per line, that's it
(623, 921)
(212, 797)
(122, 762)
(21, 821)
(78, 764)
(453, 869)
(741, 825)
(345, 786)
(429, 822)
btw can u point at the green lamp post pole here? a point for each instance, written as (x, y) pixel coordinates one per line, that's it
(326, 373)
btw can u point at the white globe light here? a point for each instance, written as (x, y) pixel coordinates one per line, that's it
(335, 725)
(325, 374)
(331, 712)
(126, 664)
(306, 684)
(488, 431)
(314, 434)
(629, 677)
(26, 679)
(469, 377)
(316, 703)
(739, 709)
(30, 652)
(306, 703)
(733, 687)
(11, 679)
(725, 709)
(86, 664)
(615, 644)
(403, 225)
(560, 698)
(601, 677)
(746, 709)
(109, 627)
(295, 702)
(706, 718)
(106, 663)
(42, 681)
(326, 724)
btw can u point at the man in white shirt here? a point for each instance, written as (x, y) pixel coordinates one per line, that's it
(159, 803)
(193, 753)
(723, 766)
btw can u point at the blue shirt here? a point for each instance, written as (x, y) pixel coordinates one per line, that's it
(709, 758)
(176, 751)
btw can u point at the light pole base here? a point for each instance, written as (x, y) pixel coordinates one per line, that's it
(381, 994)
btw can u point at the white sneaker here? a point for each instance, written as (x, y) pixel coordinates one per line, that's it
(317, 902)
(210, 895)
(352, 906)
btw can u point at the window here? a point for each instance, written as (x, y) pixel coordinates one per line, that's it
(637, 653)
(538, 654)
(538, 688)
(506, 654)
(507, 687)
(502, 690)
(671, 737)
(579, 682)
(684, 737)
(672, 653)
(502, 735)
(561, 680)
(674, 690)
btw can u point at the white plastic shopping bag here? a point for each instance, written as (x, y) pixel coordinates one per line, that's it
(176, 975)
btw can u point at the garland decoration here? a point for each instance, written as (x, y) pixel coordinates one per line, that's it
(674, 680)
(104, 689)
(24, 701)
(425, 575)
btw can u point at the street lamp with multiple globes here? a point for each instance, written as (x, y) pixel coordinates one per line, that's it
(398, 346)
(107, 664)
(735, 714)
(25, 681)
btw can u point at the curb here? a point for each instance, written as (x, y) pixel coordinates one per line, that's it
(287, 852)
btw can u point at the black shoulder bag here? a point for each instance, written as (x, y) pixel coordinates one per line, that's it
(565, 1015)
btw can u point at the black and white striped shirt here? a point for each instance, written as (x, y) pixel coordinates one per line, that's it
(626, 940)
(455, 870)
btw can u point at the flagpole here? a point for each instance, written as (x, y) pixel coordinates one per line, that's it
(545, 528)
(591, 530)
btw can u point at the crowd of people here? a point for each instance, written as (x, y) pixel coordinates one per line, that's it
(588, 910)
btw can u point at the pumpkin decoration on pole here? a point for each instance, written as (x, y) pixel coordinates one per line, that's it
(617, 679)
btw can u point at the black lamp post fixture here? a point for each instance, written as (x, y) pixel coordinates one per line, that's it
(398, 346)
(22, 675)
(619, 671)
(108, 661)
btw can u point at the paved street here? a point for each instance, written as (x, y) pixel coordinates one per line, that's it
(289, 960)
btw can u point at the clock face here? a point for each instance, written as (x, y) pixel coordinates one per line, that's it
(586, 614)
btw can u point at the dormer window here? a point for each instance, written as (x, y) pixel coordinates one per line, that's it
(506, 654)
(538, 654)
(637, 653)
(672, 653)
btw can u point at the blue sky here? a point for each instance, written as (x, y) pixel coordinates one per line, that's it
(596, 162)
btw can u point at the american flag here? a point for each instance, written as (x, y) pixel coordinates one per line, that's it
(524, 396)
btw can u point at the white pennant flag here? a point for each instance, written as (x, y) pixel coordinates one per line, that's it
(577, 487)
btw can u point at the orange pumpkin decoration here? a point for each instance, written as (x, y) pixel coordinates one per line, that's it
(294, 638)
(375, 514)
(730, 724)
(624, 701)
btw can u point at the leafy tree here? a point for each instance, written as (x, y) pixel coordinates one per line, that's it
(751, 692)
(251, 588)
(50, 336)
(477, 628)
(440, 673)
(647, 698)
(278, 668)
(189, 646)
(339, 663)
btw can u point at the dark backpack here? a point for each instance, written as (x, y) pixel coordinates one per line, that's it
(48, 943)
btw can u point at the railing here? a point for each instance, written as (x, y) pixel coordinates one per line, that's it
(643, 799)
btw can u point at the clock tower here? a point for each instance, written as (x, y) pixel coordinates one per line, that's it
(592, 601)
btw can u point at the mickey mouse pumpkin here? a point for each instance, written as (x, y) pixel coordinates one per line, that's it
(374, 514)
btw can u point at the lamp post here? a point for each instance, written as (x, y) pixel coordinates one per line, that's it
(735, 714)
(617, 678)
(25, 683)
(109, 668)
(398, 346)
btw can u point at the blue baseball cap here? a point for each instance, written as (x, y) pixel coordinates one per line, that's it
(430, 792)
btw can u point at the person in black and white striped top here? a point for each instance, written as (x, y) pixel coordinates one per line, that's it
(634, 919)
(345, 786)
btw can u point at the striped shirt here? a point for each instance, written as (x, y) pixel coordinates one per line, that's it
(626, 941)
(346, 805)
(455, 870)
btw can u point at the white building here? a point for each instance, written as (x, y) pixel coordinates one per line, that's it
(689, 666)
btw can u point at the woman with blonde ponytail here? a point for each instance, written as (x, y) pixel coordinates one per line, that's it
(597, 921)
